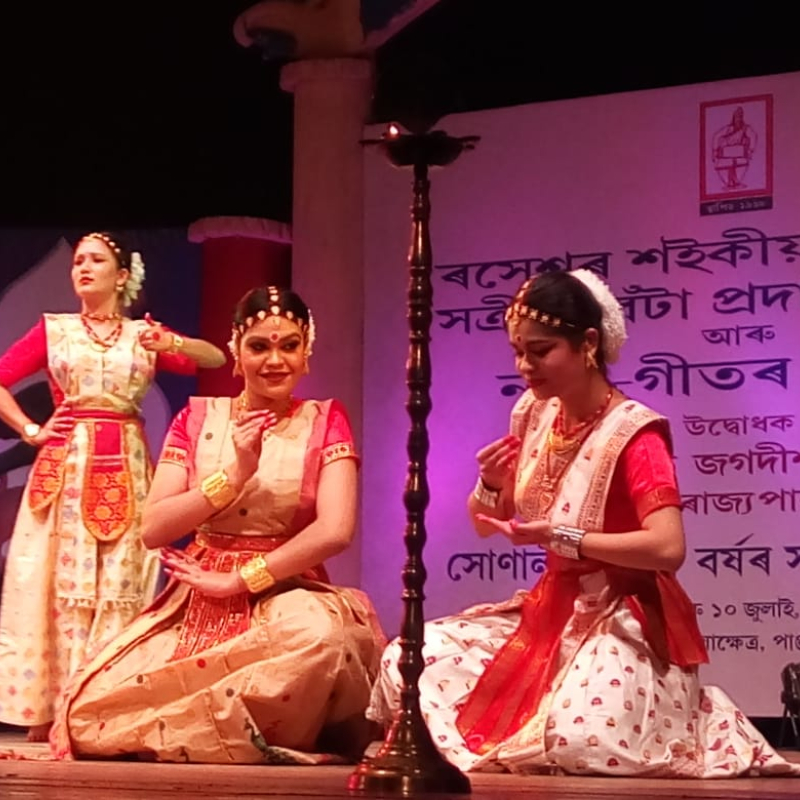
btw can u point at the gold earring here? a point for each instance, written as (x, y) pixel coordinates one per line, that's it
(591, 361)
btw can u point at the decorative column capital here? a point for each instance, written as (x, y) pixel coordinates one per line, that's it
(242, 227)
(324, 70)
(301, 30)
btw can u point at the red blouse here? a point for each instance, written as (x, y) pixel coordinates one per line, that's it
(644, 481)
(181, 439)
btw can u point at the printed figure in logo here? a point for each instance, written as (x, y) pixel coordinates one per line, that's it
(732, 149)
(250, 654)
(77, 571)
(595, 669)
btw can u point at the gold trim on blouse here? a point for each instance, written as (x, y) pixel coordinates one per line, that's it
(334, 452)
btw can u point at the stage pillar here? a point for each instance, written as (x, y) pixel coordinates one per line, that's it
(238, 254)
(331, 103)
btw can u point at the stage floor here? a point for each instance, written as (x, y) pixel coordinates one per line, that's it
(114, 780)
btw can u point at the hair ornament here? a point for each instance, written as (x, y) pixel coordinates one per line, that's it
(274, 311)
(613, 319)
(135, 267)
(133, 285)
(106, 240)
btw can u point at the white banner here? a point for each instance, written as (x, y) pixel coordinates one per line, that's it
(688, 201)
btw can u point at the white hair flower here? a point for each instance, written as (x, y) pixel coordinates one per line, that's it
(613, 319)
(311, 334)
(132, 287)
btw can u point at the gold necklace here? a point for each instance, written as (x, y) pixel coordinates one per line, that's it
(562, 440)
(554, 474)
(549, 483)
(565, 450)
(284, 414)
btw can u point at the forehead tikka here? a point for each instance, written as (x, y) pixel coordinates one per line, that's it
(274, 307)
(275, 315)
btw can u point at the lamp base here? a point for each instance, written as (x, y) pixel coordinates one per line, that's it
(408, 764)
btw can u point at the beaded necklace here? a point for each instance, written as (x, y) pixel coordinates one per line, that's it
(101, 343)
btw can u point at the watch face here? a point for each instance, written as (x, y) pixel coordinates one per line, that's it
(31, 429)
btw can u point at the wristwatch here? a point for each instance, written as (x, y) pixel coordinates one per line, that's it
(30, 430)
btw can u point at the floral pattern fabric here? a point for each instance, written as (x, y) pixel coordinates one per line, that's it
(619, 687)
(67, 589)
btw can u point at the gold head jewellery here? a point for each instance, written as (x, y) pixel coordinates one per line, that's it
(107, 240)
(129, 290)
(275, 312)
(519, 310)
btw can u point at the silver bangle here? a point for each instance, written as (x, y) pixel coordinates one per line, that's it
(566, 541)
(485, 495)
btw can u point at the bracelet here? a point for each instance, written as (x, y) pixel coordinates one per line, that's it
(217, 489)
(566, 541)
(486, 495)
(256, 575)
(177, 343)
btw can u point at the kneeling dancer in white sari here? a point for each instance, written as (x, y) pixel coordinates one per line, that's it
(593, 671)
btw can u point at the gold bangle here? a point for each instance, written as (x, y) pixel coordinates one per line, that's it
(177, 343)
(256, 575)
(217, 489)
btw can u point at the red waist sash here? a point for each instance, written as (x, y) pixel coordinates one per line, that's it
(107, 499)
(511, 688)
(209, 621)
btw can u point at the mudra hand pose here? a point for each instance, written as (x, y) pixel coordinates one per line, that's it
(250, 654)
(77, 571)
(595, 669)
